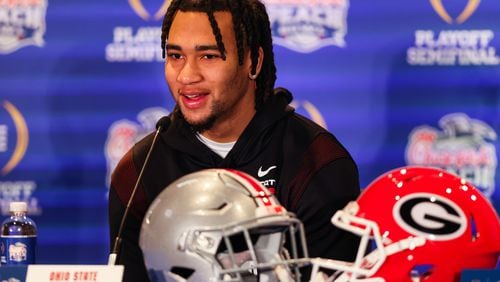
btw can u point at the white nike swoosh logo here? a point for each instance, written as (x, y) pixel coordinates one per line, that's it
(262, 173)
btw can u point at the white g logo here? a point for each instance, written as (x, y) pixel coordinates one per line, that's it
(431, 216)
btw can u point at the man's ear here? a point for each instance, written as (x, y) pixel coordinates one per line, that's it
(260, 60)
(258, 67)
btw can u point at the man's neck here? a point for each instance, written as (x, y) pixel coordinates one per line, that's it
(228, 130)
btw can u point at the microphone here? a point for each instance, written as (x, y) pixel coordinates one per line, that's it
(162, 124)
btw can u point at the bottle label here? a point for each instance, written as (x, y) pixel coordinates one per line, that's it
(17, 250)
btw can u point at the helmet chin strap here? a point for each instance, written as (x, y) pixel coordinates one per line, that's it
(409, 243)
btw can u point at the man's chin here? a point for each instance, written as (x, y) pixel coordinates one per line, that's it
(200, 125)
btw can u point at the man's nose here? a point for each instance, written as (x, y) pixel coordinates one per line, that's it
(189, 73)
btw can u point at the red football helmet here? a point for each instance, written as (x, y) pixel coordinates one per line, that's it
(424, 224)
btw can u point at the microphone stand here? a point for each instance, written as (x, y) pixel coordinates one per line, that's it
(161, 125)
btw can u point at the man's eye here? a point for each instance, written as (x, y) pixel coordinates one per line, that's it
(211, 56)
(174, 56)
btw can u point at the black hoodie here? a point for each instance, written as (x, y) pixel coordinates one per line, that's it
(306, 167)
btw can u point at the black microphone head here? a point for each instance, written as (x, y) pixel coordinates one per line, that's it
(163, 123)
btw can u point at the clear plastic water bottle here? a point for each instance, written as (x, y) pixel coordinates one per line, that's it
(18, 238)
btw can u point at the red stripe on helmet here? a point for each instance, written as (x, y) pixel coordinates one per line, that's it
(261, 192)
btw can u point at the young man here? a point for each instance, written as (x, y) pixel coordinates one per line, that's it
(220, 70)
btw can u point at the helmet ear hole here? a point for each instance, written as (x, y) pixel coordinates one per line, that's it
(183, 272)
(421, 271)
(238, 243)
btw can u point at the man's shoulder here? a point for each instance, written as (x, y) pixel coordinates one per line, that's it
(310, 153)
(141, 147)
(134, 155)
(306, 139)
(305, 131)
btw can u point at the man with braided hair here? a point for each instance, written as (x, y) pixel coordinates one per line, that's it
(221, 73)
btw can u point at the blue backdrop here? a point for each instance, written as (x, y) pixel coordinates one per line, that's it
(398, 82)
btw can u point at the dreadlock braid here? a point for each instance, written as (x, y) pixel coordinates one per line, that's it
(254, 39)
(252, 30)
(167, 22)
(239, 29)
(267, 78)
(216, 30)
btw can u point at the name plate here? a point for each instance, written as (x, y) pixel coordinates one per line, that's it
(74, 273)
(480, 275)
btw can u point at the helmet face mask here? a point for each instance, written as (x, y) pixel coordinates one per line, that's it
(244, 249)
(423, 224)
(220, 225)
(365, 265)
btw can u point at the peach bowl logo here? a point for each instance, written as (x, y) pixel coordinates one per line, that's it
(307, 25)
(464, 15)
(144, 14)
(22, 23)
(463, 146)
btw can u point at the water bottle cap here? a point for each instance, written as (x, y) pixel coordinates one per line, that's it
(18, 207)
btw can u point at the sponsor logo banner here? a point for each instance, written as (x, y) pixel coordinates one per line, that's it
(300, 25)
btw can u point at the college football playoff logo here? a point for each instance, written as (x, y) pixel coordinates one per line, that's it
(142, 12)
(311, 110)
(19, 149)
(464, 15)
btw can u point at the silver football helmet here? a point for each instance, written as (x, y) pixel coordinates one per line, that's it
(220, 225)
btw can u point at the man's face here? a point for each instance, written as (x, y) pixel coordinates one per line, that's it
(213, 94)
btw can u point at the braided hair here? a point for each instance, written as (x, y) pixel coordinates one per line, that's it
(251, 28)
